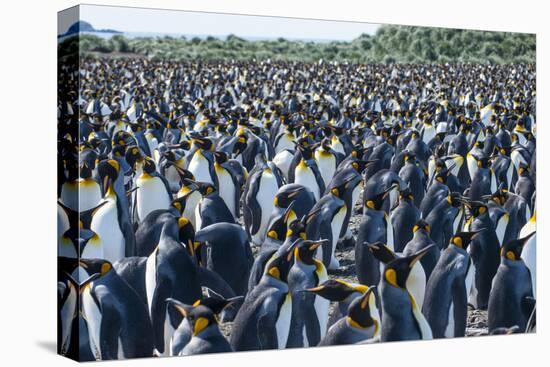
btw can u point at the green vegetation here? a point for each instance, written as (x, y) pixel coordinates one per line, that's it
(391, 43)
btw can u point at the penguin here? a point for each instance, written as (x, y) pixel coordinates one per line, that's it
(308, 323)
(529, 252)
(402, 317)
(307, 173)
(260, 189)
(228, 182)
(211, 300)
(484, 251)
(206, 335)
(416, 282)
(446, 301)
(421, 240)
(211, 208)
(81, 192)
(342, 292)
(484, 181)
(413, 176)
(349, 184)
(446, 219)
(327, 160)
(361, 323)
(510, 300)
(276, 242)
(325, 221)
(169, 272)
(118, 323)
(301, 199)
(152, 191)
(403, 218)
(67, 308)
(375, 227)
(201, 161)
(228, 253)
(525, 185)
(112, 221)
(263, 321)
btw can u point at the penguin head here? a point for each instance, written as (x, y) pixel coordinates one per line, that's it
(421, 225)
(133, 155)
(305, 250)
(307, 152)
(477, 208)
(483, 162)
(361, 165)
(359, 310)
(240, 145)
(202, 142)
(279, 267)
(463, 239)
(524, 170)
(149, 166)
(205, 188)
(96, 268)
(278, 229)
(186, 233)
(500, 196)
(108, 170)
(199, 317)
(337, 290)
(406, 195)
(513, 248)
(283, 199)
(296, 228)
(377, 201)
(381, 252)
(220, 157)
(397, 271)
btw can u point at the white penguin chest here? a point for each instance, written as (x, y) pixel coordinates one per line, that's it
(327, 165)
(200, 168)
(93, 317)
(304, 176)
(283, 321)
(151, 195)
(105, 223)
(226, 189)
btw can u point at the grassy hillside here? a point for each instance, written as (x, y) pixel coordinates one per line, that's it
(391, 43)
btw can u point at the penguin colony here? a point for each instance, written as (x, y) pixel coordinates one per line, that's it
(200, 197)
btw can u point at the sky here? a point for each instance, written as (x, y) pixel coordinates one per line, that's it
(189, 23)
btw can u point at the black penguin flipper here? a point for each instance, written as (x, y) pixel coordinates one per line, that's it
(254, 209)
(110, 326)
(267, 333)
(460, 304)
(158, 311)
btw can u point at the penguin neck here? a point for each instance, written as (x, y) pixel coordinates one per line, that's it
(210, 331)
(276, 283)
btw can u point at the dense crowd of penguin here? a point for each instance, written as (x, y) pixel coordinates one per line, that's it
(192, 195)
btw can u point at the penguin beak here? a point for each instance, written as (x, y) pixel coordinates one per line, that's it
(419, 255)
(366, 297)
(316, 244)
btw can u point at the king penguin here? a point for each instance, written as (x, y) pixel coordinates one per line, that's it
(169, 272)
(118, 323)
(153, 191)
(402, 318)
(511, 298)
(260, 189)
(307, 173)
(206, 335)
(361, 323)
(263, 321)
(112, 222)
(309, 312)
(446, 302)
(375, 227)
